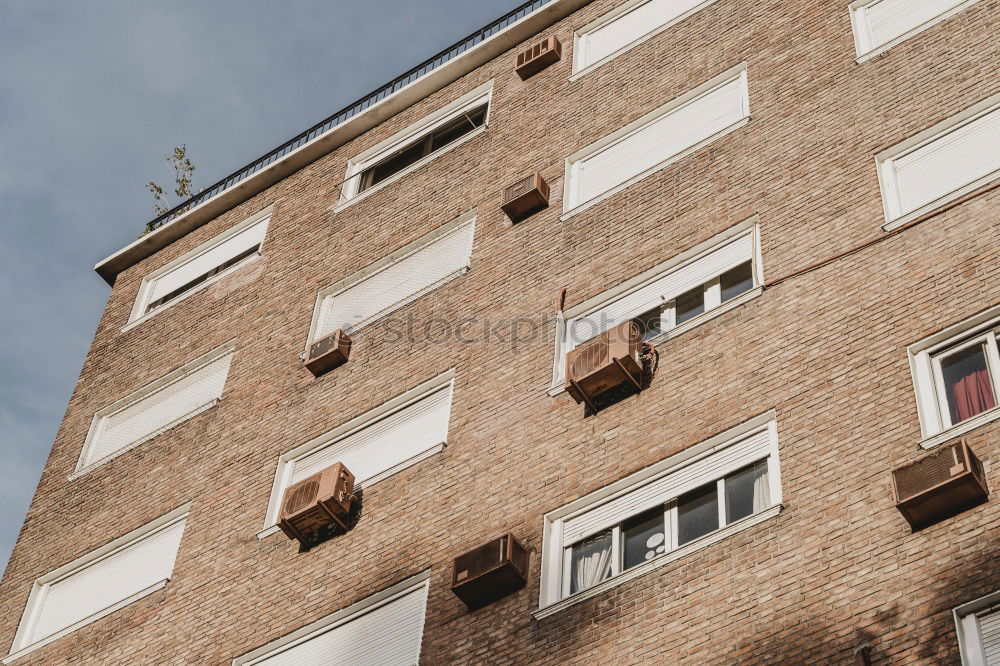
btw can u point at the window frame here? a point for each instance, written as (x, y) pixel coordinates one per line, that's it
(141, 314)
(350, 191)
(563, 343)
(580, 43)
(40, 586)
(925, 370)
(866, 49)
(555, 555)
(885, 164)
(970, 642)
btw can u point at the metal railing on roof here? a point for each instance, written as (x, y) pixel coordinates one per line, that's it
(349, 112)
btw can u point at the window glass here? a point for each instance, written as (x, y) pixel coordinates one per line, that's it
(736, 281)
(697, 513)
(643, 537)
(967, 383)
(649, 323)
(690, 304)
(591, 562)
(747, 492)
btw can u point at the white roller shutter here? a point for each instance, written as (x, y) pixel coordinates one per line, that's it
(625, 28)
(948, 162)
(204, 262)
(386, 634)
(878, 23)
(398, 283)
(989, 632)
(663, 288)
(149, 412)
(385, 443)
(753, 448)
(103, 583)
(658, 140)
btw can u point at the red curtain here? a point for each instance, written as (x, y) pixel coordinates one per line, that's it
(971, 395)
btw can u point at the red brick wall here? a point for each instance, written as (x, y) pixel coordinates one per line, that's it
(826, 350)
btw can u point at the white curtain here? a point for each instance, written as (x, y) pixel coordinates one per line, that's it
(592, 562)
(761, 493)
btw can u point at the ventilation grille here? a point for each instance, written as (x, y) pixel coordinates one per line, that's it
(931, 471)
(590, 358)
(538, 56)
(518, 189)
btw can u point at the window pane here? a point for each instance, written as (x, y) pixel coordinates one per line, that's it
(747, 492)
(649, 323)
(643, 537)
(967, 383)
(735, 281)
(591, 562)
(690, 303)
(392, 165)
(697, 513)
(458, 128)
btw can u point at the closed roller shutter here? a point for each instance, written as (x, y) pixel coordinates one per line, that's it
(887, 20)
(989, 631)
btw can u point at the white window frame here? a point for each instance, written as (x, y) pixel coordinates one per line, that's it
(97, 423)
(863, 43)
(358, 164)
(369, 418)
(39, 588)
(139, 314)
(467, 218)
(739, 71)
(581, 35)
(341, 617)
(587, 308)
(553, 556)
(925, 369)
(970, 642)
(885, 164)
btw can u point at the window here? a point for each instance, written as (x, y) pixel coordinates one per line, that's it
(654, 516)
(656, 140)
(628, 26)
(99, 583)
(881, 24)
(416, 145)
(386, 628)
(956, 375)
(681, 293)
(396, 280)
(165, 403)
(375, 445)
(201, 267)
(942, 163)
(978, 625)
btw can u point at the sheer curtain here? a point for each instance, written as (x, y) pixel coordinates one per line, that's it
(591, 562)
(761, 492)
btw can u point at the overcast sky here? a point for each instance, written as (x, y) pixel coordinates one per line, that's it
(93, 94)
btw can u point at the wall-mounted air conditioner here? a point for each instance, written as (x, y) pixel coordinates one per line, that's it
(525, 197)
(489, 572)
(317, 503)
(939, 485)
(537, 57)
(327, 353)
(610, 360)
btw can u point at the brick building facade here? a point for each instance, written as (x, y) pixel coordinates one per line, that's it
(853, 167)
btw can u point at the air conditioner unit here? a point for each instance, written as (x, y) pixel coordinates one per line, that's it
(492, 571)
(525, 197)
(939, 485)
(608, 361)
(320, 501)
(327, 353)
(537, 57)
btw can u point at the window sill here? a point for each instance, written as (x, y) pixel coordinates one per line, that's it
(960, 429)
(692, 323)
(663, 560)
(423, 455)
(347, 203)
(204, 285)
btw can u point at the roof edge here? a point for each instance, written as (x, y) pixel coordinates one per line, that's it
(435, 80)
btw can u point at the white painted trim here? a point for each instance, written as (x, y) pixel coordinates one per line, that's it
(339, 618)
(580, 35)
(490, 48)
(969, 641)
(553, 521)
(358, 164)
(739, 71)
(682, 260)
(864, 46)
(885, 162)
(933, 430)
(468, 217)
(170, 378)
(37, 595)
(372, 416)
(138, 314)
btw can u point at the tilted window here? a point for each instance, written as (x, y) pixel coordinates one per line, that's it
(880, 24)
